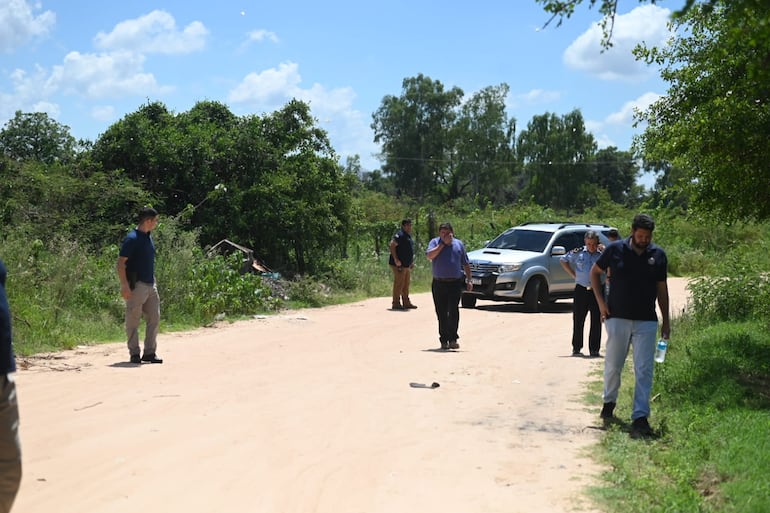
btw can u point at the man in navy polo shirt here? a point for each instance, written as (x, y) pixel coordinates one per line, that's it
(401, 263)
(10, 448)
(136, 272)
(639, 270)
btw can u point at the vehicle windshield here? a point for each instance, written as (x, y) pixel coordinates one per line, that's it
(522, 240)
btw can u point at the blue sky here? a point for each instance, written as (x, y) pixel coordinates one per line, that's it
(88, 63)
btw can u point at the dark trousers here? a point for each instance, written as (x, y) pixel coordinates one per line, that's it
(446, 299)
(585, 302)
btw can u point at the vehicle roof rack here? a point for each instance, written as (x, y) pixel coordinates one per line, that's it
(564, 224)
(545, 222)
(588, 225)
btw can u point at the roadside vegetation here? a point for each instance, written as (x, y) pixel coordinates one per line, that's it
(711, 406)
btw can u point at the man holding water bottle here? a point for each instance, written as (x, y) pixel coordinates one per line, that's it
(639, 270)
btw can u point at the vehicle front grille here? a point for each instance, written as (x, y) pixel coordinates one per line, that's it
(484, 268)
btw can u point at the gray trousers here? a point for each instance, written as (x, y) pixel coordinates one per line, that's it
(144, 301)
(10, 447)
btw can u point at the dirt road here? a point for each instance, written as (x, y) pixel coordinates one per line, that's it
(312, 411)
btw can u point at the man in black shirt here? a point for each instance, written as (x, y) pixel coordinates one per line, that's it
(401, 263)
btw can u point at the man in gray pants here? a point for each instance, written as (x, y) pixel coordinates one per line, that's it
(136, 272)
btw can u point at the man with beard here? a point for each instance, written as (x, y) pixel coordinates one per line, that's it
(639, 271)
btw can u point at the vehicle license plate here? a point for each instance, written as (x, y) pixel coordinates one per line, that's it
(476, 281)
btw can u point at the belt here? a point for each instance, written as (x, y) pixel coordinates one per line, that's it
(448, 279)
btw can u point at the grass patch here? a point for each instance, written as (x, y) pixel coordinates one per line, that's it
(712, 411)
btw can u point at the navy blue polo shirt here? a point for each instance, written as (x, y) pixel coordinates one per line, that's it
(7, 359)
(139, 248)
(635, 279)
(404, 248)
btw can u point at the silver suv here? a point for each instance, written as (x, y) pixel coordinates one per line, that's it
(522, 264)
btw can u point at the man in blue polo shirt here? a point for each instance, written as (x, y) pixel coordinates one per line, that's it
(10, 448)
(136, 272)
(451, 274)
(578, 264)
(639, 270)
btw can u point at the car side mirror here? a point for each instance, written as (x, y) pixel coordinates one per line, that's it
(558, 251)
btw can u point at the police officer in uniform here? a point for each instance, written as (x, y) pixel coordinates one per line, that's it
(578, 264)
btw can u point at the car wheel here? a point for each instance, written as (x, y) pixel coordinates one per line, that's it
(532, 295)
(468, 301)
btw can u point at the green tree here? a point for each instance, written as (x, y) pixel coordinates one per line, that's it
(616, 172)
(556, 152)
(41, 200)
(145, 146)
(712, 124)
(35, 136)
(414, 132)
(483, 161)
(288, 197)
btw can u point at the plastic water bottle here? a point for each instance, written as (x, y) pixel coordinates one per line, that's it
(660, 351)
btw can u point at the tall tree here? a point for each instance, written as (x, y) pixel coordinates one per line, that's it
(414, 132)
(713, 123)
(483, 161)
(556, 152)
(35, 136)
(289, 197)
(616, 172)
(145, 145)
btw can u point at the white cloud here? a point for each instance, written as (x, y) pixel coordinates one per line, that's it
(262, 35)
(533, 97)
(103, 113)
(648, 24)
(269, 89)
(155, 32)
(19, 23)
(622, 119)
(52, 109)
(104, 75)
(347, 127)
(625, 116)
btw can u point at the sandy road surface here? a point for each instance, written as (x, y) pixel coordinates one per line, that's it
(312, 411)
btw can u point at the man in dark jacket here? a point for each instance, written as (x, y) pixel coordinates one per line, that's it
(10, 448)
(401, 263)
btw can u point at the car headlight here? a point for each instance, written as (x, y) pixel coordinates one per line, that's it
(508, 268)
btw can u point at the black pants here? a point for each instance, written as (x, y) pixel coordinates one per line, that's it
(585, 302)
(446, 299)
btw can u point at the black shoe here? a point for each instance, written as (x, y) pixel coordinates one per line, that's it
(577, 353)
(444, 345)
(453, 344)
(595, 354)
(152, 358)
(608, 410)
(135, 358)
(640, 428)
(398, 307)
(410, 306)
